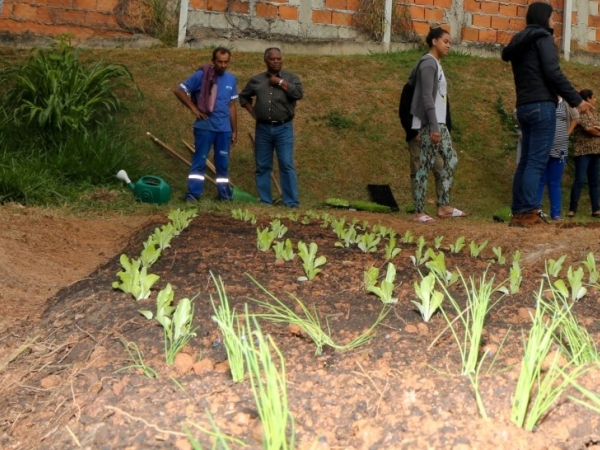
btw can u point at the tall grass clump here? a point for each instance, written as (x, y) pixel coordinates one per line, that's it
(58, 133)
(54, 92)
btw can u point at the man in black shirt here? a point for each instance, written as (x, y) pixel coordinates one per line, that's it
(276, 92)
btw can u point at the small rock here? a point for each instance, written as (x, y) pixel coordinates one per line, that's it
(222, 367)
(411, 329)
(183, 444)
(203, 366)
(79, 316)
(257, 430)
(423, 329)
(183, 363)
(279, 262)
(241, 419)
(526, 313)
(296, 330)
(302, 279)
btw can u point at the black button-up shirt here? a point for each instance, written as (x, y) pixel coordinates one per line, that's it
(273, 104)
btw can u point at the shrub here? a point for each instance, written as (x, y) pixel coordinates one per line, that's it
(54, 92)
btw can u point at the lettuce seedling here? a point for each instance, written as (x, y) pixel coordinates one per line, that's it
(385, 290)
(431, 299)
(310, 262)
(135, 279)
(368, 242)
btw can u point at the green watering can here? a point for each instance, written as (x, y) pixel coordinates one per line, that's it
(148, 189)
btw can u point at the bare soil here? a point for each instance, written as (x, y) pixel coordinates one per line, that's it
(61, 356)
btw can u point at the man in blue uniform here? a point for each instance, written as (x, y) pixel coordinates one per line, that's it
(211, 95)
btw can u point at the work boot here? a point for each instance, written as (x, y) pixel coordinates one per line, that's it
(528, 219)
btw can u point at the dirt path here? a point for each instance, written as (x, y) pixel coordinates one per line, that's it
(42, 251)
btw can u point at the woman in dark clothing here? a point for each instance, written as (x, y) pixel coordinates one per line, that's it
(538, 81)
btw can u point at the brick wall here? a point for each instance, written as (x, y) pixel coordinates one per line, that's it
(470, 21)
(80, 18)
(477, 21)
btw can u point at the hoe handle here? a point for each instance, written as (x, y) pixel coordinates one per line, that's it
(160, 143)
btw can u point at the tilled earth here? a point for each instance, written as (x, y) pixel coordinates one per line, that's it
(66, 380)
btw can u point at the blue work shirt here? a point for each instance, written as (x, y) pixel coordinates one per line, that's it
(219, 119)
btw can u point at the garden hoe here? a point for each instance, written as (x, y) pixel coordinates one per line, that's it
(238, 195)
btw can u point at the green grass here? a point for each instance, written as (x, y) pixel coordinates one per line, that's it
(347, 130)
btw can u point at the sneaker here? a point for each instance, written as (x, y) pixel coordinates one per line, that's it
(528, 220)
(557, 218)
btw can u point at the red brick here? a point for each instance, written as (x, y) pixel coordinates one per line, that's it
(508, 10)
(6, 12)
(84, 4)
(343, 19)
(504, 37)
(321, 16)
(471, 5)
(593, 21)
(218, 5)
(335, 4)
(521, 11)
(598, 35)
(44, 14)
(556, 4)
(490, 7)
(557, 17)
(63, 16)
(423, 2)
(352, 5)
(264, 10)
(573, 17)
(500, 23)
(434, 15)
(106, 5)
(442, 4)
(99, 19)
(487, 35)
(288, 12)
(65, 3)
(198, 4)
(417, 12)
(239, 7)
(593, 47)
(421, 28)
(482, 21)
(517, 24)
(11, 25)
(23, 11)
(470, 34)
(278, 1)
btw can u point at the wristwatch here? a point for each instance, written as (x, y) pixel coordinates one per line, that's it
(280, 82)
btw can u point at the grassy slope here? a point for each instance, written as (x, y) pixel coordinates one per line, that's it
(360, 93)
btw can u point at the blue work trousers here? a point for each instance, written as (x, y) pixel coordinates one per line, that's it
(278, 139)
(538, 124)
(552, 176)
(203, 141)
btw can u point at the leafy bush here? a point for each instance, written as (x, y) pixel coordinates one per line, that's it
(54, 92)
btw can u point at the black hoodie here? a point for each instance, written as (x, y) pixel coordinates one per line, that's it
(537, 74)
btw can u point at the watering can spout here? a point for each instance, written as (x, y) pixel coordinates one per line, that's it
(122, 175)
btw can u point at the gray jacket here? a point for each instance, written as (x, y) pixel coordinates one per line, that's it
(423, 102)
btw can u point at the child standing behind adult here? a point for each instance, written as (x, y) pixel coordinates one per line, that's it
(586, 150)
(566, 121)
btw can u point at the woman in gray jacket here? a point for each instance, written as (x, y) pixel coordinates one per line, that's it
(429, 110)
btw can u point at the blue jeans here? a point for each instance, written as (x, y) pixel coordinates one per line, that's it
(586, 166)
(538, 124)
(552, 176)
(203, 141)
(280, 139)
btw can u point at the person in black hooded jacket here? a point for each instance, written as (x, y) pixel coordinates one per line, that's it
(538, 81)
